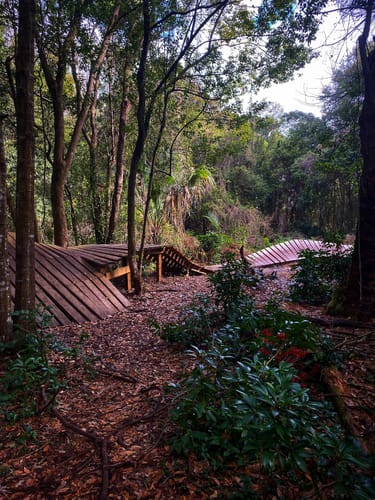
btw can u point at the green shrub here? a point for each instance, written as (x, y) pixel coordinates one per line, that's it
(231, 304)
(232, 283)
(29, 370)
(317, 274)
(248, 399)
(194, 326)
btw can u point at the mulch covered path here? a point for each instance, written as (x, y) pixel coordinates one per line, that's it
(107, 437)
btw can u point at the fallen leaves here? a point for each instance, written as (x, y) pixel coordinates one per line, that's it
(115, 396)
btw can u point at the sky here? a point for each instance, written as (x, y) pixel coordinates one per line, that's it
(302, 93)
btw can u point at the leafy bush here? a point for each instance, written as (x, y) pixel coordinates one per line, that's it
(248, 400)
(194, 327)
(232, 282)
(231, 303)
(29, 370)
(317, 274)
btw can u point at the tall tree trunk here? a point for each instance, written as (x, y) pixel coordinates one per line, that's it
(119, 172)
(73, 215)
(4, 261)
(138, 149)
(151, 177)
(25, 222)
(97, 208)
(92, 142)
(361, 287)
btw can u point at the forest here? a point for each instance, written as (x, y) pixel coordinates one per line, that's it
(138, 122)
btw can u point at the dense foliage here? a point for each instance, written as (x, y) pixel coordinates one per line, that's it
(212, 175)
(252, 398)
(318, 274)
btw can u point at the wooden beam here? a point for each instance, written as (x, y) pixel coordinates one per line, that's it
(116, 273)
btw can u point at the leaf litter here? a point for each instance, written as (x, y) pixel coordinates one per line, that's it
(107, 435)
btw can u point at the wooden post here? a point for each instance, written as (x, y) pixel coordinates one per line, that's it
(129, 281)
(159, 267)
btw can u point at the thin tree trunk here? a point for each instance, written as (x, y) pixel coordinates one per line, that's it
(92, 142)
(25, 222)
(151, 177)
(11, 207)
(119, 174)
(4, 260)
(138, 150)
(73, 215)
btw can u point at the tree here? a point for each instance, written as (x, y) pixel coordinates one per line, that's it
(59, 25)
(188, 24)
(360, 293)
(199, 31)
(340, 160)
(125, 109)
(25, 222)
(4, 268)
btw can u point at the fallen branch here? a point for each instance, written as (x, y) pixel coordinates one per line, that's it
(348, 323)
(349, 342)
(47, 403)
(339, 391)
(105, 469)
(125, 377)
(129, 422)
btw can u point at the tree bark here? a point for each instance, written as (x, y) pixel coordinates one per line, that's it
(25, 222)
(4, 261)
(138, 149)
(360, 296)
(126, 106)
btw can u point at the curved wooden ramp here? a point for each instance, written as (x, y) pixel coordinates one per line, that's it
(112, 260)
(74, 283)
(70, 288)
(287, 252)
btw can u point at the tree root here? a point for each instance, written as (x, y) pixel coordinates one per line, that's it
(101, 443)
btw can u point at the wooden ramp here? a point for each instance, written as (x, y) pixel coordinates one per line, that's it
(68, 286)
(288, 252)
(74, 283)
(112, 260)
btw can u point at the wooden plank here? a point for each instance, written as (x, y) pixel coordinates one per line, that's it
(76, 291)
(116, 273)
(98, 285)
(286, 252)
(58, 288)
(41, 296)
(73, 290)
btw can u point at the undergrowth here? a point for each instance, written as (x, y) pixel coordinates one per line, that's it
(29, 378)
(253, 398)
(318, 273)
